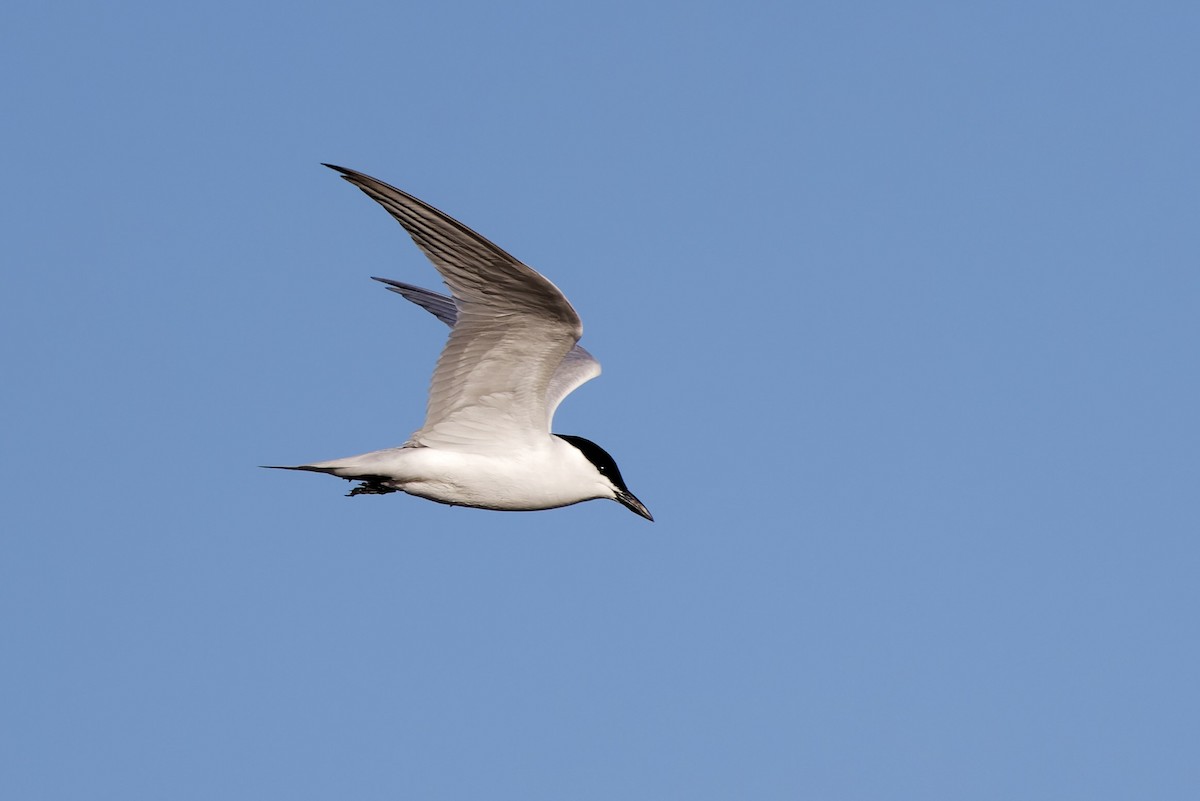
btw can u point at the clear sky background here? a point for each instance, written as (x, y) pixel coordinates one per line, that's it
(899, 308)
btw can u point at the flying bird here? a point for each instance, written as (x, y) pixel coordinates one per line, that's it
(511, 358)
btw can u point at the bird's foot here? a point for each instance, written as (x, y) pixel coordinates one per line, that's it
(370, 488)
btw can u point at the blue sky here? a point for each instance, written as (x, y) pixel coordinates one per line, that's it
(898, 306)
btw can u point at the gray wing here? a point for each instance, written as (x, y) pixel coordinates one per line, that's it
(437, 304)
(577, 367)
(513, 330)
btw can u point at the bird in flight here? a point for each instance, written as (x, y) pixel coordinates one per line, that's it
(511, 358)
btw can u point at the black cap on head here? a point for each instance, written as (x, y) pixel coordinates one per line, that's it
(607, 467)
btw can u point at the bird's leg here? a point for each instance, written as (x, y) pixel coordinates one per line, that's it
(370, 487)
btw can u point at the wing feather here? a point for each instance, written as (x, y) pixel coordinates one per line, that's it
(576, 368)
(513, 329)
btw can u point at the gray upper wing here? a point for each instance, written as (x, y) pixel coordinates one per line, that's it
(576, 368)
(513, 329)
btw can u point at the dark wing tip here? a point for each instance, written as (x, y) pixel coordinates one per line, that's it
(347, 173)
(400, 286)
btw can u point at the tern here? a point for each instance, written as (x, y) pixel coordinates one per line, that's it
(511, 358)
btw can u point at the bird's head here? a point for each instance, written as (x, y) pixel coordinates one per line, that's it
(609, 474)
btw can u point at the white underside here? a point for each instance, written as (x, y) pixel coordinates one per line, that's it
(546, 477)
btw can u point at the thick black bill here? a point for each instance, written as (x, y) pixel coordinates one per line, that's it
(627, 499)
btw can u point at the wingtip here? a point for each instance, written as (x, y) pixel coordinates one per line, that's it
(402, 288)
(346, 172)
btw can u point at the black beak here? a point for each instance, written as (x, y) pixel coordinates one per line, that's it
(627, 499)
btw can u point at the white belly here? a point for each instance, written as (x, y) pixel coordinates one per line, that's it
(528, 480)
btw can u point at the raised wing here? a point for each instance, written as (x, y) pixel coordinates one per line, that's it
(577, 367)
(513, 329)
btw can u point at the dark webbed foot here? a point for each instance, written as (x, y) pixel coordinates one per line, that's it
(370, 487)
